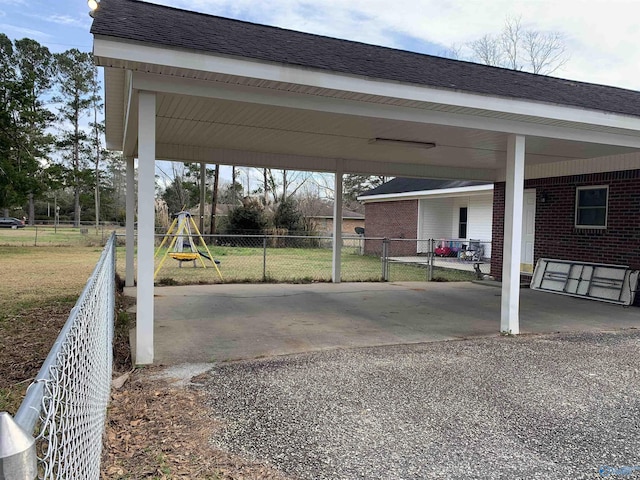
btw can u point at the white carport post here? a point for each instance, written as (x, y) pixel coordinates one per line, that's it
(130, 223)
(337, 224)
(513, 198)
(146, 224)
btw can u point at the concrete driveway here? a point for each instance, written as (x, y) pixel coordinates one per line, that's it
(213, 323)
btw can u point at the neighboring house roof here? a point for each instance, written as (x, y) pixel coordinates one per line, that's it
(405, 188)
(326, 211)
(402, 185)
(134, 20)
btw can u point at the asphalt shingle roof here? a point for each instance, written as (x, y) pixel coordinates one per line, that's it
(404, 185)
(166, 26)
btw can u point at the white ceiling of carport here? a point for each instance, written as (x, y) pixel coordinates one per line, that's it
(233, 125)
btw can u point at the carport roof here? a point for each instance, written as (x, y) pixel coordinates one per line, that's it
(138, 21)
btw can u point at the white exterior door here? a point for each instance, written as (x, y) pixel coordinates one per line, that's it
(528, 230)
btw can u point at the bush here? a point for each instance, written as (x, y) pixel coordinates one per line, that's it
(246, 219)
(287, 216)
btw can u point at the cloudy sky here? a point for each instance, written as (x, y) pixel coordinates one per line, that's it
(602, 36)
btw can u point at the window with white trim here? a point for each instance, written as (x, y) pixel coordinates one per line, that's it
(591, 206)
(462, 222)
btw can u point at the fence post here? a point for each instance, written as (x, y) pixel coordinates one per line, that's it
(385, 259)
(264, 258)
(431, 255)
(35, 241)
(18, 459)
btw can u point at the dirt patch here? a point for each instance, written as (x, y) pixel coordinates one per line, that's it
(156, 429)
(25, 341)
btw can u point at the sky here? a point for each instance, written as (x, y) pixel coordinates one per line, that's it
(601, 36)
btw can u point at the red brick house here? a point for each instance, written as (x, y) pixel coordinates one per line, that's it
(588, 212)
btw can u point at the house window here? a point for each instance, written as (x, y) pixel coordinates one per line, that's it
(462, 224)
(591, 207)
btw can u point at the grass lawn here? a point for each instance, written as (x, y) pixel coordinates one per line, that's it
(45, 235)
(38, 288)
(244, 264)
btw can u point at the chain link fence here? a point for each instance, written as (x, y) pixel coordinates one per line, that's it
(436, 259)
(54, 236)
(65, 407)
(304, 259)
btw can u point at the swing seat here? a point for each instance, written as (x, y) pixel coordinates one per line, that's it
(184, 256)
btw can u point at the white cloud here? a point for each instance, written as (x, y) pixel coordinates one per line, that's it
(68, 20)
(14, 31)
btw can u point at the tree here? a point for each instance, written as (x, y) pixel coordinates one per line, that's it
(288, 216)
(183, 191)
(75, 74)
(113, 198)
(25, 78)
(354, 185)
(229, 193)
(97, 130)
(214, 200)
(247, 218)
(519, 48)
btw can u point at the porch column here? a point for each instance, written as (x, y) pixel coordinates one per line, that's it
(130, 222)
(510, 308)
(146, 224)
(337, 224)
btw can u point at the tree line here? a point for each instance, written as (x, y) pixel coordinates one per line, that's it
(52, 160)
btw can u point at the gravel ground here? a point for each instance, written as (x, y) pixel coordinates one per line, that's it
(551, 406)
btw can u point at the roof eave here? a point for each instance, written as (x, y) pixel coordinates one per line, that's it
(437, 193)
(120, 53)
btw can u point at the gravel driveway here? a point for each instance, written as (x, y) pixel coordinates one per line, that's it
(563, 406)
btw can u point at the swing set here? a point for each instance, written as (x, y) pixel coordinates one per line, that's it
(182, 246)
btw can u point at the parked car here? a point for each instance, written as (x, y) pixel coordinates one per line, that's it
(11, 222)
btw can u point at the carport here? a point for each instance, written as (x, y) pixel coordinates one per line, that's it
(189, 87)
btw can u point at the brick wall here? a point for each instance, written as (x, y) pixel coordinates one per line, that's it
(391, 220)
(556, 236)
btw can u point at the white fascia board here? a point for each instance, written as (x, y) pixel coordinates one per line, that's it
(107, 47)
(182, 86)
(437, 193)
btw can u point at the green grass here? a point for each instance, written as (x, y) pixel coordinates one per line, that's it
(42, 235)
(35, 276)
(298, 265)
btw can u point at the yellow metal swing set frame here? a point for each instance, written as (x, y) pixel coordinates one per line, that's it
(183, 226)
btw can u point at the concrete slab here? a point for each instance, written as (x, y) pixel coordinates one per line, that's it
(213, 323)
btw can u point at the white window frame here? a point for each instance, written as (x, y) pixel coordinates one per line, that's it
(577, 206)
(466, 222)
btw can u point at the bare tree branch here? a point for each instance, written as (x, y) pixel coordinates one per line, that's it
(487, 50)
(518, 48)
(510, 39)
(545, 50)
